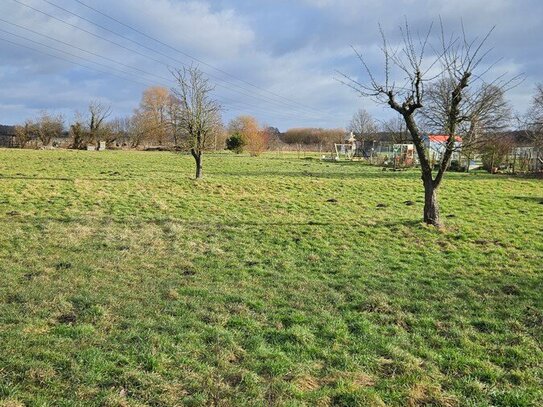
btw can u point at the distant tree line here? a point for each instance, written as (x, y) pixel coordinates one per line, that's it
(155, 124)
(163, 121)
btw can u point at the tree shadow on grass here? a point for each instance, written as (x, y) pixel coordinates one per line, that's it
(331, 224)
(104, 221)
(388, 175)
(63, 179)
(258, 224)
(533, 199)
(324, 175)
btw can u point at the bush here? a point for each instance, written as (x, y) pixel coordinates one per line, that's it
(493, 159)
(456, 166)
(236, 143)
(495, 153)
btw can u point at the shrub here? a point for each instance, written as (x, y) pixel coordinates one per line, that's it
(457, 166)
(236, 143)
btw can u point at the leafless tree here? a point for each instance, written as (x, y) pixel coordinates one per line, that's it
(484, 111)
(534, 119)
(495, 150)
(396, 128)
(154, 107)
(49, 127)
(173, 110)
(200, 115)
(25, 133)
(98, 113)
(457, 62)
(362, 124)
(116, 130)
(137, 129)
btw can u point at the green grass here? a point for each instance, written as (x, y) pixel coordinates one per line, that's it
(126, 283)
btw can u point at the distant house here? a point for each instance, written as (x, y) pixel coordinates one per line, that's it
(7, 136)
(436, 145)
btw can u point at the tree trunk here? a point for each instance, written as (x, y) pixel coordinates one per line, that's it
(198, 159)
(431, 207)
(199, 173)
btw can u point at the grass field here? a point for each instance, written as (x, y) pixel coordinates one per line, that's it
(126, 283)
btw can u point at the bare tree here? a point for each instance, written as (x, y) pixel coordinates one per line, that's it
(200, 114)
(173, 110)
(116, 130)
(25, 133)
(137, 129)
(456, 61)
(49, 127)
(98, 113)
(363, 125)
(484, 112)
(397, 130)
(495, 150)
(534, 120)
(154, 107)
(537, 106)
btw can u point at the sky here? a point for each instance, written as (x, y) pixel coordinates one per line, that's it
(278, 60)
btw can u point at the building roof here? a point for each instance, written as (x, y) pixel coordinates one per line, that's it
(442, 138)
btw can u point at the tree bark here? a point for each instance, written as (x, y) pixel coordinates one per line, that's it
(199, 174)
(431, 207)
(198, 159)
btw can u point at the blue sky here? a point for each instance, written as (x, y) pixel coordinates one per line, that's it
(286, 52)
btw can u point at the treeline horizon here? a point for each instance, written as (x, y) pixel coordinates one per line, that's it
(154, 124)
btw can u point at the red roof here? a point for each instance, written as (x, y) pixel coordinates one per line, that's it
(442, 138)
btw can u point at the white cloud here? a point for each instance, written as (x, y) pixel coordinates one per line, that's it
(289, 48)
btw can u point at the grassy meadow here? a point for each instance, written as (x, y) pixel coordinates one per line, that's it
(275, 281)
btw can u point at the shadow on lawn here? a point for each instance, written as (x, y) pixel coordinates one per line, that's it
(533, 199)
(256, 224)
(64, 179)
(388, 175)
(325, 175)
(135, 223)
(332, 225)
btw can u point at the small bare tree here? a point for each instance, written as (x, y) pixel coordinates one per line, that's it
(173, 110)
(484, 112)
(455, 65)
(138, 127)
(25, 133)
(154, 107)
(362, 124)
(98, 113)
(534, 120)
(395, 128)
(200, 115)
(49, 127)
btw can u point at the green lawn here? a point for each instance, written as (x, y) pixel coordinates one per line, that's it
(126, 283)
